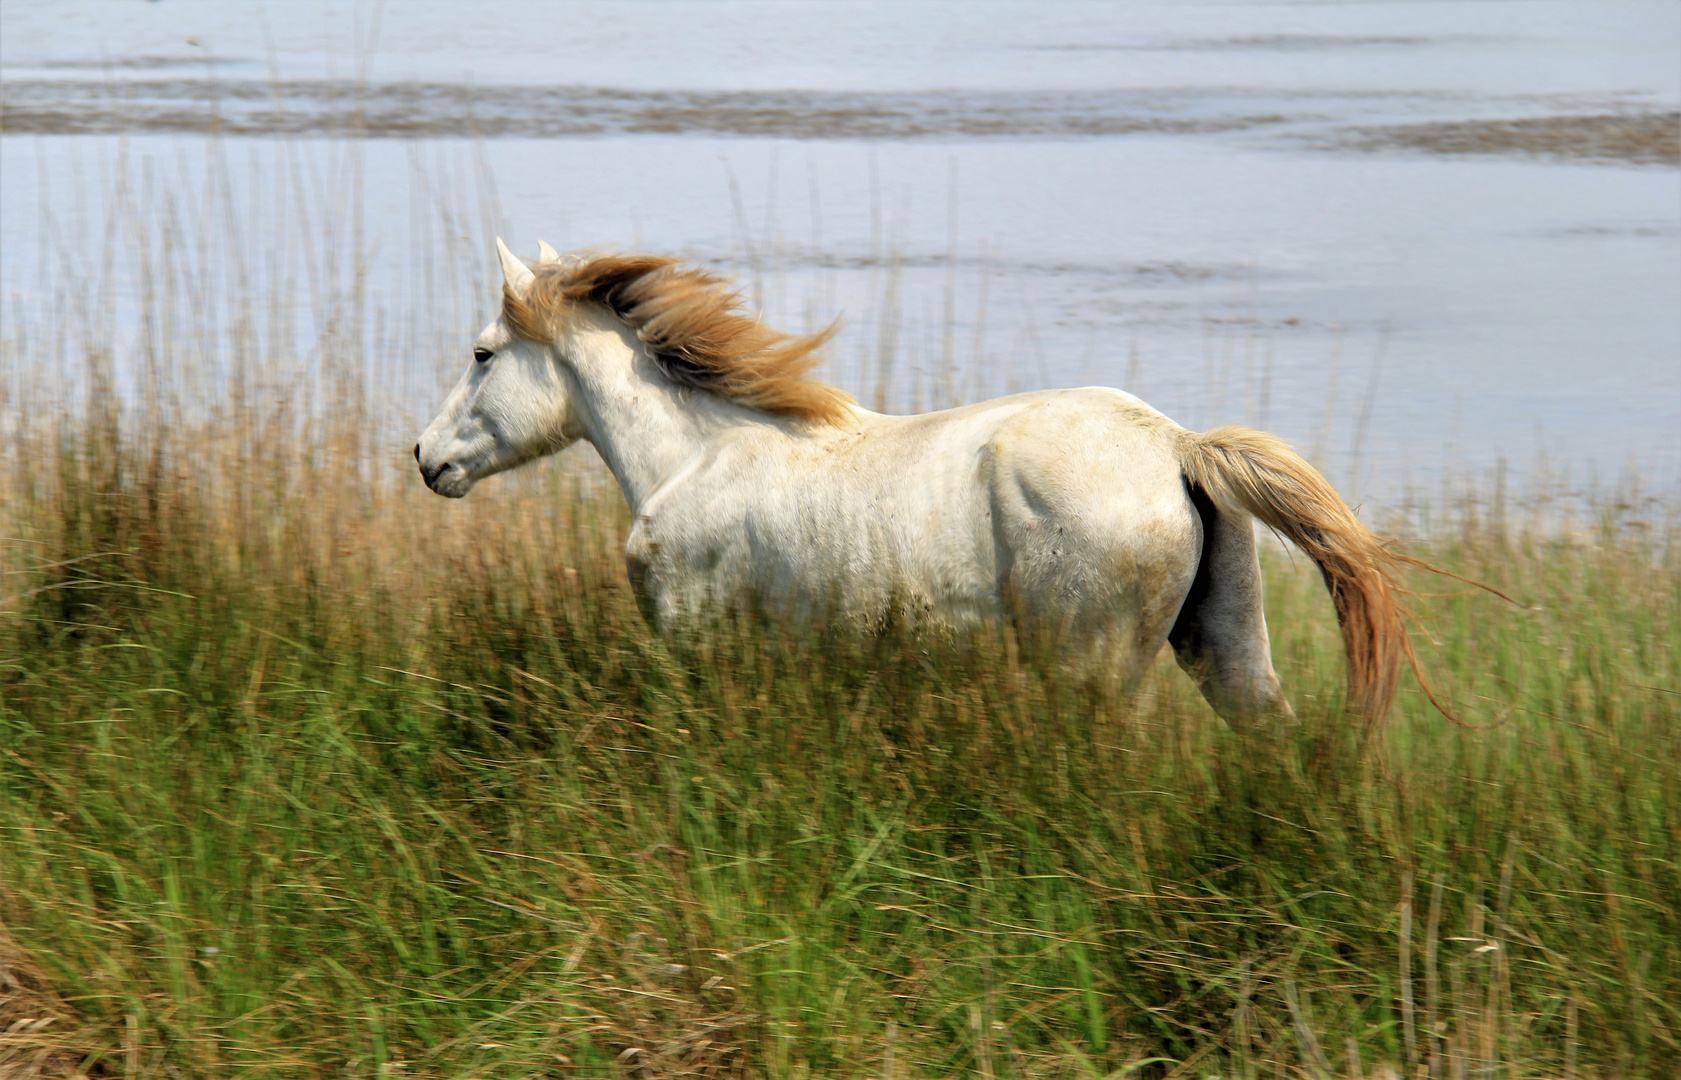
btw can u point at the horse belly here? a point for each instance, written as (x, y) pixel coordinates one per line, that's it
(868, 550)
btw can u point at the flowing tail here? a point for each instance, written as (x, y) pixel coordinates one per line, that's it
(1243, 469)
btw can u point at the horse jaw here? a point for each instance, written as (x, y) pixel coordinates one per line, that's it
(504, 412)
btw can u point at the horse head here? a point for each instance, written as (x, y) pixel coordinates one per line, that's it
(513, 404)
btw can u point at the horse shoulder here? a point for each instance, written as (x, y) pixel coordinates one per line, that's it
(686, 537)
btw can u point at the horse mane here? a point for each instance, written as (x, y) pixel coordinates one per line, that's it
(692, 324)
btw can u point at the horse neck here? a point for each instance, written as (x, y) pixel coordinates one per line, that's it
(640, 424)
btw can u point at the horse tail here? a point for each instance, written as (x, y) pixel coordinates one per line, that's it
(1243, 469)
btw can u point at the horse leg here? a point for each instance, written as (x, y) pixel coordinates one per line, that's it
(1220, 636)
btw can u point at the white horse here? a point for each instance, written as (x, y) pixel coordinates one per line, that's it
(1087, 519)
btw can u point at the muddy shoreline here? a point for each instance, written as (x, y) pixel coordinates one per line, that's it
(1650, 138)
(345, 108)
(348, 109)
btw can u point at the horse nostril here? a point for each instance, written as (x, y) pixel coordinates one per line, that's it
(417, 452)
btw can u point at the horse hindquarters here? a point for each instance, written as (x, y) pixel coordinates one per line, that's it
(1094, 543)
(1220, 636)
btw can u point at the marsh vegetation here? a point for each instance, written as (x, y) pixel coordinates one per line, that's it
(306, 772)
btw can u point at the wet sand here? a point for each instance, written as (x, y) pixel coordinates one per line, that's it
(421, 109)
(1650, 138)
(347, 108)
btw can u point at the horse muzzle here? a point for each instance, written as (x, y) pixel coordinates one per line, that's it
(444, 478)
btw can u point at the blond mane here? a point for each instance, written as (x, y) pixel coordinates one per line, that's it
(691, 323)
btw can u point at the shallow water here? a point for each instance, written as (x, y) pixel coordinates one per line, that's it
(1239, 211)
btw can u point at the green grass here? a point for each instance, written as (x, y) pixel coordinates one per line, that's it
(367, 783)
(307, 772)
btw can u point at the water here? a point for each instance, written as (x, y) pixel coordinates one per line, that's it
(1239, 211)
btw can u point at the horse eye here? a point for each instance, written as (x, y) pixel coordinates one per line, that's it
(481, 355)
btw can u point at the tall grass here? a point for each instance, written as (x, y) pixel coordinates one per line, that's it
(306, 772)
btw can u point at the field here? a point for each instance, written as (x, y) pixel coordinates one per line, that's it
(306, 772)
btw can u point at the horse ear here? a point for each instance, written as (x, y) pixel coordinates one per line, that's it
(546, 254)
(516, 276)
